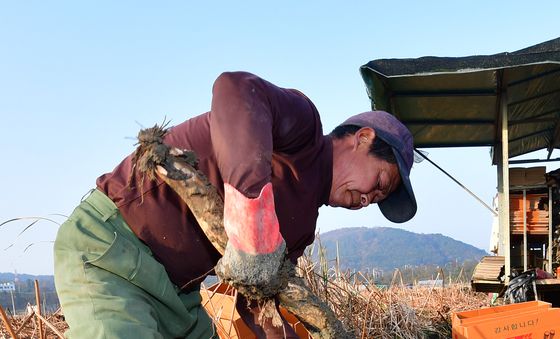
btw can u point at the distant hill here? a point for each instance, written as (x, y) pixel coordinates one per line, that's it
(8, 276)
(386, 248)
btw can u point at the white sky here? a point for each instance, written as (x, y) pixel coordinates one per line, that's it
(78, 77)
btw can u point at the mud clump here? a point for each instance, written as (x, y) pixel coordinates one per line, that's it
(257, 277)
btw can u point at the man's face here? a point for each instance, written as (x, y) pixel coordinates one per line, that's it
(362, 179)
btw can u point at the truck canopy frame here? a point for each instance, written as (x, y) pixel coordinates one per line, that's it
(509, 101)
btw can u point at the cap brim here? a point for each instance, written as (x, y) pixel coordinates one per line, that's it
(400, 206)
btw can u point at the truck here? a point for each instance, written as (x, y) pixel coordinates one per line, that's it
(509, 102)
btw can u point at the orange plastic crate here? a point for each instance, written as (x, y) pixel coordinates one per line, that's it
(219, 302)
(533, 319)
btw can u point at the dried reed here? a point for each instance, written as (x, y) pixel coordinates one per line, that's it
(370, 311)
(27, 326)
(394, 311)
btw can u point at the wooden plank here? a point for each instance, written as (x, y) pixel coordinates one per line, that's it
(38, 310)
(7, 323)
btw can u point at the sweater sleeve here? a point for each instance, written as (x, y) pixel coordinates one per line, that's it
(250, 119)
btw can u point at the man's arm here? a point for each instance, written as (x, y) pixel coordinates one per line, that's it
(250, 118)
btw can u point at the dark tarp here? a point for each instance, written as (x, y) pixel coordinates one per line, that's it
(450, 102)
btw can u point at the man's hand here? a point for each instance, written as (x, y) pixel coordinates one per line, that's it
(256, 276)
(255, 257)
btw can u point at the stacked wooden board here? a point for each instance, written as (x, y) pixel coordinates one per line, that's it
(488, 273)
(489, 268)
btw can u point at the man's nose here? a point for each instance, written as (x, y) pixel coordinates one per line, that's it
(364, 200)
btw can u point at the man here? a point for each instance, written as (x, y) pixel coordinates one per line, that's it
(130, 259)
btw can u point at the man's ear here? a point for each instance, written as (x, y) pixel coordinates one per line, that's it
(364, 135)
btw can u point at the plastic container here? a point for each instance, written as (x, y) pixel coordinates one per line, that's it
(219, 302)
(533, 319)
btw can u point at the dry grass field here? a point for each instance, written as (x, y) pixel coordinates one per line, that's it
(394, 311)
(27, 326)
(370, 311)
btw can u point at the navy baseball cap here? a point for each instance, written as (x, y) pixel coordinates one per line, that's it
(399, 206)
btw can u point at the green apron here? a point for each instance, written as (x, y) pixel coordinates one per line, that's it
(110, 286)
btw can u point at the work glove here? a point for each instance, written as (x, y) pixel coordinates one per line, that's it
(254, 260)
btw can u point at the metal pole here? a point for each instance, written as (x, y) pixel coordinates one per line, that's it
(13, 303)
(503, 186)
(457, 182)
(529, 161)
(549, 247)
(524, 230)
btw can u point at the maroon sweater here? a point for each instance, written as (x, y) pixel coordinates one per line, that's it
(255, 133)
